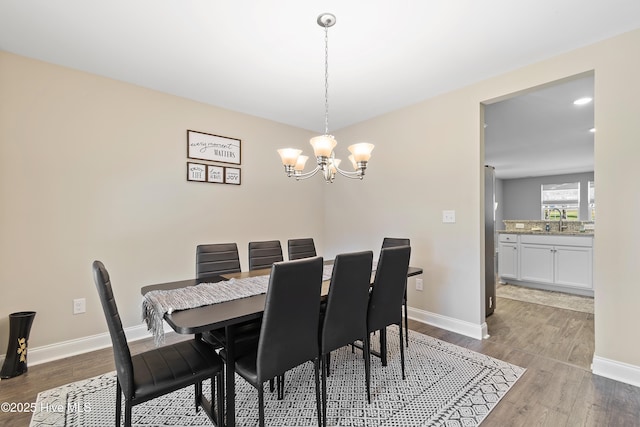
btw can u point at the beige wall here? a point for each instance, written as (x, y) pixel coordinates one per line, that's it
(92, 168)
(429, 158)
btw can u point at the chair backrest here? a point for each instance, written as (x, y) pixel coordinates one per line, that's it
(387, 293)
(289, 332)
(121, 353)
(215, 259)
(301, 248)
(390, 242)
(345, 319)
(264, 254)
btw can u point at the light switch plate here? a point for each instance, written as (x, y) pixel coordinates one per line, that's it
(449, 216)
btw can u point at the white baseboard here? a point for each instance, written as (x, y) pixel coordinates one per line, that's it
(619, 371)
(449, 323)
(51, 352)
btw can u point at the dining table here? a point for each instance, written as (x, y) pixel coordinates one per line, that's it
(228, 315)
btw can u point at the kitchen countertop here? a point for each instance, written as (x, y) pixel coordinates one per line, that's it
(548, 233)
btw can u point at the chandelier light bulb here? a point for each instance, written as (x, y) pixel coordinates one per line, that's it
(300, 163)
(289, 156)
(362, 151)
(323, 145)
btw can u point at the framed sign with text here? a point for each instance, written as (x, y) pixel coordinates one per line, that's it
(215, 174)
(214, 148)
(232, 176)
(196, 172)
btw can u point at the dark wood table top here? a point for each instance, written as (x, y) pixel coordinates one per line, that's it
(208, 317)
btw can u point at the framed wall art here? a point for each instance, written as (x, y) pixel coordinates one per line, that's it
(213, 148)
(232, 176)
(196, 172)
(215, 174)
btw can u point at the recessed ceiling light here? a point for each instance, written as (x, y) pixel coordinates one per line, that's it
(582, 101)
(592, 130)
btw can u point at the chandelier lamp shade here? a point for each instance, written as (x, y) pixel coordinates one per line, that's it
(323, 145)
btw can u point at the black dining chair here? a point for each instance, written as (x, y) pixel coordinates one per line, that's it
(390, 242)
(289, 332)
(216, 259)
(160, 371)
(264, 254)
(212, 260)
(301, 248)
(385, 300)
(344, 319)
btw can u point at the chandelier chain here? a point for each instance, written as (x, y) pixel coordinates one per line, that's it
(326, 78)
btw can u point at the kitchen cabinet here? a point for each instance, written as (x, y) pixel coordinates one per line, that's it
(554, 262)
(536, 262)
(508, 259)
(574, 266)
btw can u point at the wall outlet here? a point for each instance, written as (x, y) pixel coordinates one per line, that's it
(419, 284)
(79, 306)
(490, 302)
(448, 216)
(519, 225)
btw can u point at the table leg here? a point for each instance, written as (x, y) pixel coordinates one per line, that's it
(230, 376)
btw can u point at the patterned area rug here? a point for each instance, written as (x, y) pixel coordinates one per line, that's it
(445, 385)
(550, 298)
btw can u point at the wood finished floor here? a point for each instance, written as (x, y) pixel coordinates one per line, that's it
(555, 345)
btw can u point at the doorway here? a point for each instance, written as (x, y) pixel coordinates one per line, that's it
(535, 137)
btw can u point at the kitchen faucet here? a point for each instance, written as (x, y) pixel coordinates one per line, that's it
(560, 226)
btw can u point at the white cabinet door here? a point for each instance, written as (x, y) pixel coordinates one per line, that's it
(536, 262)
(508, 260)
(573, 266)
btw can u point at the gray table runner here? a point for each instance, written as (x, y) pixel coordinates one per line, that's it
(156, 303)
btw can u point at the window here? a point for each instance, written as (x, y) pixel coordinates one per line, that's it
(592, 201)
(564, 198)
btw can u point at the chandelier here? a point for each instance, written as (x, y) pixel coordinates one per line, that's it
(323, 145)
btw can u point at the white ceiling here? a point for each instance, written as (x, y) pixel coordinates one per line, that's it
(542, 132)
(266, 58)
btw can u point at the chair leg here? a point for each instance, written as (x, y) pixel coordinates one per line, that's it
(272, 386)
(401, 350)
(406, 316)
(118, 403)
(328, 364)
(367, 365)
(127, 413)
(324, 370)
(316, 369)
(261, 405)
(219, 398)
(198, 394)
(280, 386)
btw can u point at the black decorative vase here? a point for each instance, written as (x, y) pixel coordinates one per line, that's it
(19, 327)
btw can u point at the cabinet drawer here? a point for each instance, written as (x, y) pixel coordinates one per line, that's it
(586, 241)
(509, 238)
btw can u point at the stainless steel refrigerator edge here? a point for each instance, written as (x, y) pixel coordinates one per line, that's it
(489, 239)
